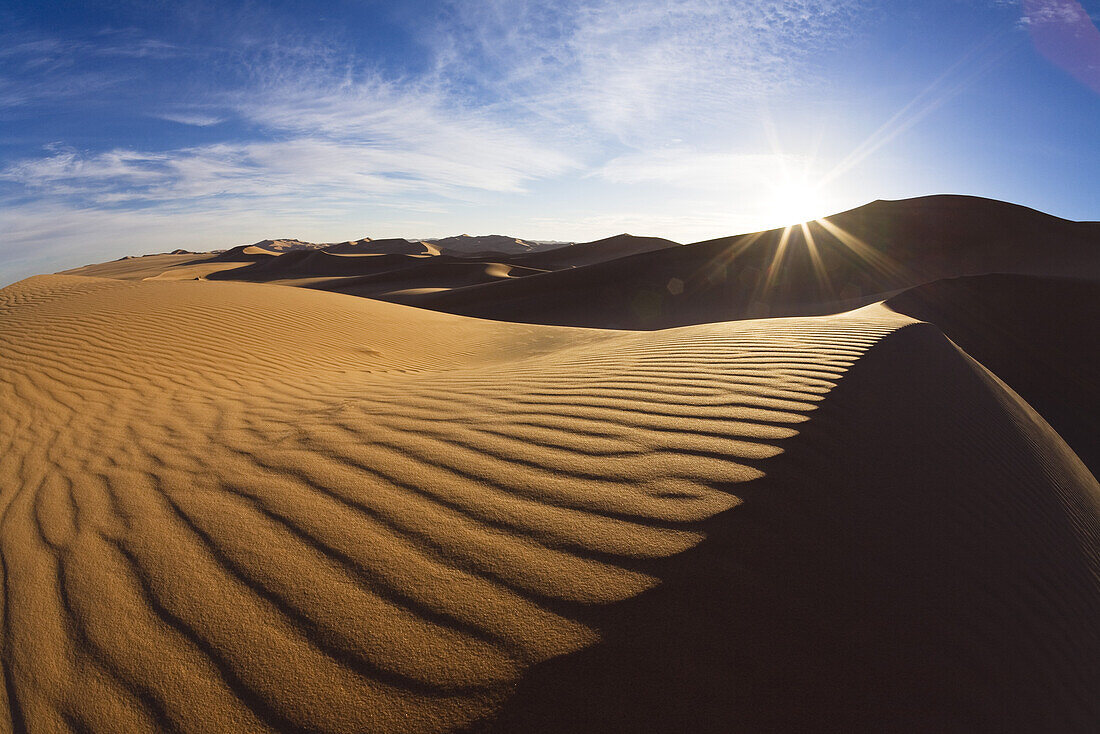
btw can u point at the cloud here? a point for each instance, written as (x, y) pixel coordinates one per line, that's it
(196, 119)
(1037, 12)
(1064, 33)
(411, 129)
(686, 168)
(37, 70)
(632, 71)
(348, 143)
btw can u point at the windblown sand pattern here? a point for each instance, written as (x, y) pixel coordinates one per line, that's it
(253, 508)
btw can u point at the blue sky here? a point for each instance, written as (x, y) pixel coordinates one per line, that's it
(131, 127)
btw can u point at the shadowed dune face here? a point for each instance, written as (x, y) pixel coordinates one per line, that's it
(924, 556)
(589, 253)
(251, 508)
(1040, 335)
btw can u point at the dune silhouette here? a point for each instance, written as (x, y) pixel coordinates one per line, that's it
(837, 263)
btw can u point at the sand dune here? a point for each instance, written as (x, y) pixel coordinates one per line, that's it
(835, 264)
(1040, 335)
(922, 557)
(245, 253)
(838, 263)
(164, 267)
(473, 246)
(386, 277)
(394, 246)
(590, 253)
(235, 506)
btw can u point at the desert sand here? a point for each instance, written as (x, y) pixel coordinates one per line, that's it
(242, 506)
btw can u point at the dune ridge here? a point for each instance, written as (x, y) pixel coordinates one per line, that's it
(1037, 334)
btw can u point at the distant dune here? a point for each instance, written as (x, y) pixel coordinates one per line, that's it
(838, 263)
(847, 260)
(462, 245)
(590, 253)
(395, 246)
(469, 245)
(232, 505)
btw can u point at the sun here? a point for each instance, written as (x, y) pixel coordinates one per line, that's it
(795, 201)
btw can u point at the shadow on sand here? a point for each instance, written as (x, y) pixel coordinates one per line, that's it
(923, 557)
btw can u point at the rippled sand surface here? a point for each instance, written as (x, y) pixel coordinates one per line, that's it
(242, 507)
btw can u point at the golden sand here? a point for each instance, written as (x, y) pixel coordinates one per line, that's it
(243, 507)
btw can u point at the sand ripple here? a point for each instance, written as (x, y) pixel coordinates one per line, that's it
(246, 507)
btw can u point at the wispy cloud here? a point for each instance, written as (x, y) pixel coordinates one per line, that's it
(36, 69)
(304, 167)
(686, 168)
(347, 142)
(1065, 34)
(633, 70)
(195, 119)
(559, 75)
(1038, 12)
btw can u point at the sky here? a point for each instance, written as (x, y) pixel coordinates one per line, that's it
(130, 127)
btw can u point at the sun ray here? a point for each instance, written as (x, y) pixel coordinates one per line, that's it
(716, 268)
(774, 266)
(815, 257)
(879, 261)
(976, 62)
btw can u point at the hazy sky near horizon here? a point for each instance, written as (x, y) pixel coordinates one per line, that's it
(130, 127)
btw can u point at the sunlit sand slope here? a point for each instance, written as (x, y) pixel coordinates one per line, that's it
(240, 507)
(247, 507)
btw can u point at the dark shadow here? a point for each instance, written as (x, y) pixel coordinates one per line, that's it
(923, 557)
(1039, 335)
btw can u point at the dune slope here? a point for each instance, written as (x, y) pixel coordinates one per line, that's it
(1039, 335)
(245, 507)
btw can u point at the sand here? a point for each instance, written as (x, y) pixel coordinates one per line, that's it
(246, 507)
(1040, 335)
